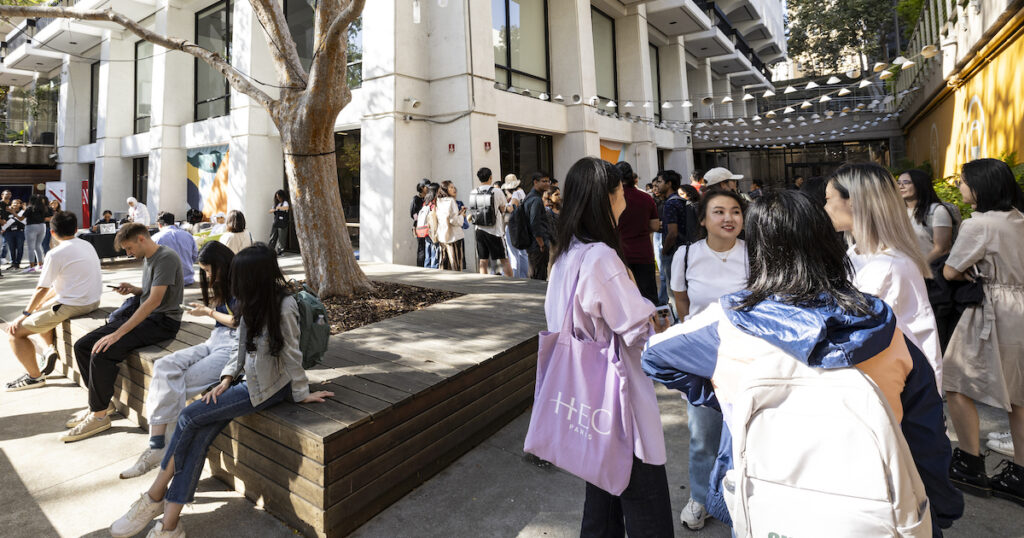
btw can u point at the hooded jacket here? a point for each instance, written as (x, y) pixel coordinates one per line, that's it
(704, 358)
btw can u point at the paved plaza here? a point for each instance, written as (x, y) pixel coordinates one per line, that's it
(48, 488)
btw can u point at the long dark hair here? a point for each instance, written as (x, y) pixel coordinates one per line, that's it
(993, 185)
(37, 203)
(796, 257)
(258, 286)
(586, 212)
(218, 256)
(280, 196)
(924, 191)
(705, 200)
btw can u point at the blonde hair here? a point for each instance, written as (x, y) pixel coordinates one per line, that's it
(880, 219)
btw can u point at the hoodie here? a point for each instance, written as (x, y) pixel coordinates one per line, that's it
(704, 358)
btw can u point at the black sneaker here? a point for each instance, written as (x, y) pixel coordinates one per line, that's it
(1009, 483)
(47, 363)
(967, 472)
(26, 382)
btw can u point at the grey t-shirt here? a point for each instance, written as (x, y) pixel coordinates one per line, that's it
(163, 268)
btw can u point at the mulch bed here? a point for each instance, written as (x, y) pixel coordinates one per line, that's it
(386, 301)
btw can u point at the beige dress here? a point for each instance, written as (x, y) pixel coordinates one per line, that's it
(985, 357)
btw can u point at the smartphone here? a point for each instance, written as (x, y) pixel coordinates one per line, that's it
(113, 287)
(663, 311)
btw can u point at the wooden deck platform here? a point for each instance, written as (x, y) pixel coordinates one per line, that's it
(412, 394)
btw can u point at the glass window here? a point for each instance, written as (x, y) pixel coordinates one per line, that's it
(299, 14)
(656, 81)
(355, 54)
(140, 179)
(604, 55)
(519, 29)
(143, 85)
(523, 154)
(94, 100)
(213, 32)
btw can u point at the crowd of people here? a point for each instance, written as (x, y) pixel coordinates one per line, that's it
(783, 292)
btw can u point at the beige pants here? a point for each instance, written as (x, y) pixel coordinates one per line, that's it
(53, 314)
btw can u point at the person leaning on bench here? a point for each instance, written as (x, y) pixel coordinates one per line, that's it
(69, 286)
(153, 315)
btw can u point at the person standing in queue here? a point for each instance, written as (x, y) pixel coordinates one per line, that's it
(280, 225)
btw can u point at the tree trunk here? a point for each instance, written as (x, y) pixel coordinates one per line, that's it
(327, 254)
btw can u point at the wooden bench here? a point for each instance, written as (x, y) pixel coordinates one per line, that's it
(412, 394)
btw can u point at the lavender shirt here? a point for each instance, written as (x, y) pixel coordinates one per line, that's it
(184, 245)
(608, 303)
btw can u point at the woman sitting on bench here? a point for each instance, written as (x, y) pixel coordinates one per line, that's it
(183, 374)
(268, 353)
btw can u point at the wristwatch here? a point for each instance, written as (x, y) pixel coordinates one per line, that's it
(26, 313)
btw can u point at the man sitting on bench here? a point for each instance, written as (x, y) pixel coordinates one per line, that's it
(70, 286)
(152, 316)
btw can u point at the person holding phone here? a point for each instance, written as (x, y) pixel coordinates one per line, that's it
(701, 274)
(268, 354)
(183, 374)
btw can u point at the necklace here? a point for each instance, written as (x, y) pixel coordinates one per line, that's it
(718, 255)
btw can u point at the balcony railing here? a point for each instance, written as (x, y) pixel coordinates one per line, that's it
(938, 20)
(721, 21)
(31, 131)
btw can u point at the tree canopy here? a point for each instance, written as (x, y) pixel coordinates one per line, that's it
(827, 34)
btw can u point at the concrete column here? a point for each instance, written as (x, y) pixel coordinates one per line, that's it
(73, 129)
(573, 73)
(700, 87)
(172, 108)
(633, 62)
(113, 183)
(674, 83)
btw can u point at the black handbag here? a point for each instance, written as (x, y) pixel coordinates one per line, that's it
(970, 293)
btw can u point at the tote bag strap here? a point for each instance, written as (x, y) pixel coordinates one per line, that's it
(567, 319)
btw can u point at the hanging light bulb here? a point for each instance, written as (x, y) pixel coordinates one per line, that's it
(805, 105)
(788, 110)
(844, 92)
(929, 51)
(900, 60)
(543, 97)
(756, 118)
(886, 75)
(768, 93)
(833, 80)
(558, 98)
(789, 89)
(879, 67)
(611, 104)
(770, 114)
(727, 99)
(666, 105)
(907, 65)
(824, 99)
(853, 73)
(686, 104)
(811, 85)
(648, 104)
(748, 97)
(629, 104)
(865, 83)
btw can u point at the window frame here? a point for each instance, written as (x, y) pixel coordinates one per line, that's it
(656, 72)
(94, 115)
(615, 61)
(135, 90)
(195, 64)
(140, 191)
(509, 70)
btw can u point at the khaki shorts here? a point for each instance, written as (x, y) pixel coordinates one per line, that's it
(53, 314)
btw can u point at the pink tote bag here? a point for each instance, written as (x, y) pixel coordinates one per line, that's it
(581, 419)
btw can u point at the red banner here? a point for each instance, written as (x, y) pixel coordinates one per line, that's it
(85, 204)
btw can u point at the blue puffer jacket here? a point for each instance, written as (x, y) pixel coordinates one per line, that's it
(685, 358)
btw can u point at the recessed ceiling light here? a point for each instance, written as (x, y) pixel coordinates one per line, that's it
(72, 42)
(673, 22)
(703, 48)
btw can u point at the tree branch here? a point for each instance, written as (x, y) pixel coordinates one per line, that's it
(283, 48)
(237, 80)
(319, 73)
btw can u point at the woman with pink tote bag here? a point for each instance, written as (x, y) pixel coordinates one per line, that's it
(595, 412)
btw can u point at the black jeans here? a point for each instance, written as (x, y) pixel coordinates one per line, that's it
(643, 510)
(421, 251)
(538, 258)
(646, 275)
(99, 370)
(275, 236)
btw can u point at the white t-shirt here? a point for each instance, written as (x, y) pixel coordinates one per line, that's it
(938, 217)
(707, 277)
(499, 218)
(894, 278)
(139, 213)
(236, 241)
(72, 269)
(449, 221)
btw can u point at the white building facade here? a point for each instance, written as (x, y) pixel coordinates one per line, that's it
(447, 87)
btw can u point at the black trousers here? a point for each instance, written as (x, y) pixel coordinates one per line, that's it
(421, 251)
(642, 511)
(275, 237)
(99, 370)
(646, 275)
(538, 258)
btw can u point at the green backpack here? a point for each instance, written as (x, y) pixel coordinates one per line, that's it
(314, 329)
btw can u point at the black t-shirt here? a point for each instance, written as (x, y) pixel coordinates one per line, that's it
(17, 225)
(34, 216)
(415, 206)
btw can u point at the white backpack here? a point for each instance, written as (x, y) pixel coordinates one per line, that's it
(821, 454)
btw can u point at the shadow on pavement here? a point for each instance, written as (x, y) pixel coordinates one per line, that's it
(21, 514)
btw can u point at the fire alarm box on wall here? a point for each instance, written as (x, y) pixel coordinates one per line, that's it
(451, 148)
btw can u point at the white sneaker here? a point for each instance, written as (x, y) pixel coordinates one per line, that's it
(1003, 446)
(159, 532)
(693, 515)
(147, 461)
(139, 515)
(999, 435)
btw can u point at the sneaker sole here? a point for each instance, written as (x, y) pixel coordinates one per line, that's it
(51, 363)
(1000, 450)
(1008, 496)
(971, 488)
(693, 528)
(27, 387)
(90, 433)
(125, 475)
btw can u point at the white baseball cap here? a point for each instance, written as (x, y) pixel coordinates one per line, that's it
(718, 175)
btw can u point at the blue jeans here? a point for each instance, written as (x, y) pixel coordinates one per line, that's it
(666, 274)
(34, 242)
(433, 255)
(662, 271)
(16, 244)
(198, 425)
(705, 425)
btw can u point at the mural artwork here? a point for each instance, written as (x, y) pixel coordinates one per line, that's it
(208, 180)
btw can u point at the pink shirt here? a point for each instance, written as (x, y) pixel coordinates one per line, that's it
(607, 303)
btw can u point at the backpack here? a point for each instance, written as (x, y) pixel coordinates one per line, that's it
(691, 232)
(519, 228)
(314, 329)
(481, 206)
(819, 452)
(423, 222)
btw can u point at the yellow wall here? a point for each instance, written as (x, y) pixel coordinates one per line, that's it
(982, 118)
